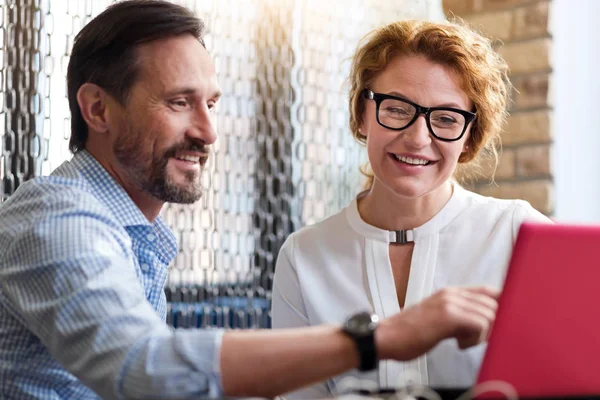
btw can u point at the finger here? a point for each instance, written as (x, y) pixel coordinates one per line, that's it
(465, 319)
(474, 330)
(477, 306)
(468, 301)
(481, 300)
(485, 290)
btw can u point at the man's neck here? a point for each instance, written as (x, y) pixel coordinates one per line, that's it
(148, 205)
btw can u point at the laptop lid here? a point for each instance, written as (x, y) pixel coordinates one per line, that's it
(546, 337)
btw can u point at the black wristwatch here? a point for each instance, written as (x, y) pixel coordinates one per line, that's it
(361, 328)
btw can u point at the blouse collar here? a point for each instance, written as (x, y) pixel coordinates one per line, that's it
(451, 209)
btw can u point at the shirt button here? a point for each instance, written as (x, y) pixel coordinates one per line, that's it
(145, 267)
(151, 237)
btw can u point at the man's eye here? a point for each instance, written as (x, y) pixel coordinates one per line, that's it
(179, 103)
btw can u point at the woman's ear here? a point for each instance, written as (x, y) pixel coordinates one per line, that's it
(363, 129)
(467, 142)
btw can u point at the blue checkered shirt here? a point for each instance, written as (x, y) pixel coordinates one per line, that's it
(82, 303)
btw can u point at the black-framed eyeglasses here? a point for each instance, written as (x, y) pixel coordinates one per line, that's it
(444, 123)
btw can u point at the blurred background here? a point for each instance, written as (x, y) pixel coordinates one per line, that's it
(285, 157)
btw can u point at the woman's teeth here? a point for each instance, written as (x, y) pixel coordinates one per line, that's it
(412, 161)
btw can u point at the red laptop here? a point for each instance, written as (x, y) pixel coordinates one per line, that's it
(546, 337)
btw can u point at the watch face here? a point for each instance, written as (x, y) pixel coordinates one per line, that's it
(362, 323)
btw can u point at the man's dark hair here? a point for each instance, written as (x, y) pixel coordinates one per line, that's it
(104, 52)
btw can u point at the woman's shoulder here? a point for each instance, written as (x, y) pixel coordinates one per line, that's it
(518, 210)
(322, 231)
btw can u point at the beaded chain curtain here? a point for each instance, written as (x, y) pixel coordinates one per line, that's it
(284, 158)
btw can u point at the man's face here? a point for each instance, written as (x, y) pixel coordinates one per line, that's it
(165, 127)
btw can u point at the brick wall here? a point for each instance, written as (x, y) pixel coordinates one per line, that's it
(522, 30)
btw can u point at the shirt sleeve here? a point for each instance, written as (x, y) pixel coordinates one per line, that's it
(288, 311)
(69, 277)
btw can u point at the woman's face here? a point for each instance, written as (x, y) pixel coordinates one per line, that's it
(412, 163)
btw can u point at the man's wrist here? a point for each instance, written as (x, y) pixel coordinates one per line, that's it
(350, 350)
(382, 339)
(360, 328)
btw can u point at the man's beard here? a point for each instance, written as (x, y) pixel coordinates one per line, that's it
(150, 174)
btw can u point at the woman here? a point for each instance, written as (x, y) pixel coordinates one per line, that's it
(425, 98)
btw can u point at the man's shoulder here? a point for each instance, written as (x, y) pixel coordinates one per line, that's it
(46, 213)
(52, 192)
(51, 198)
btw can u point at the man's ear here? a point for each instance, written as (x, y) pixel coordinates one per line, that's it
(93, 103)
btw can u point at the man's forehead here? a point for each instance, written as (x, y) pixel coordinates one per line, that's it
(176, 51)
(177, 61)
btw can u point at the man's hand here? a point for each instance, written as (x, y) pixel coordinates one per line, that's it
(291, 358)
(464, 313)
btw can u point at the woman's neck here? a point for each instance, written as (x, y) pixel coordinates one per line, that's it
(384, 209)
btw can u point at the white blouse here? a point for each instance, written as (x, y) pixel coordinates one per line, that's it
(341, 266)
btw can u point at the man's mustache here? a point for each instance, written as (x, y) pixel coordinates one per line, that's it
(188, 146)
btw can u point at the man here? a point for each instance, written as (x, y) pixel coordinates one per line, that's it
(84, 252)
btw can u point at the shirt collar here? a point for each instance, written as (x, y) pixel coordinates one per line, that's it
(108, 190)
(115, 198)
